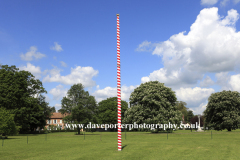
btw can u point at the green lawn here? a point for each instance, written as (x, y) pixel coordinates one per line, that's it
(138, 145)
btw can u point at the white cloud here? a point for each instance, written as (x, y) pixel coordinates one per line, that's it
(105, 93)
(222, 77)
(212, 45)
(208, 2)
(47, 98)
(54, 71)
(235, 82)
(204, 48)
(58, 106)
(236, 1)
(224, 2)
(162, 76)
(126, 92)
(173, 78)
(108, 92)
(207, 82)
(97, 86)
(36, 71)
(199, 109)
(194, 96)
(59, 92)
(63, 64)
(32, 53)
(79, 74)
(231, 18)
(57, 47)
(223, 80)
(145, 47)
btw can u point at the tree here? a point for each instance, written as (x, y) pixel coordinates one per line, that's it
(16, 86)
(39, 112)
(107, 110)
(181, 106)
(7, 125)
(189, 115)
(223, 110)
(80, 105)
(20, 93)
(153, 103)
(53, 109)
(136, 114)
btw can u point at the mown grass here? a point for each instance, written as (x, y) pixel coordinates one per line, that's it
(138, 145)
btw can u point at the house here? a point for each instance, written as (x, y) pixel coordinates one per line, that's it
(56, 120)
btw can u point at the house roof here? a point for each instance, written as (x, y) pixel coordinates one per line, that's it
(59, 115)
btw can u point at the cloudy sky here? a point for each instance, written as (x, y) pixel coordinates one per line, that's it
(191, 46)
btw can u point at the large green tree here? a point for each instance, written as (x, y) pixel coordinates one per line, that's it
(21, 94)
(153, 103)
(107, 110)
(7, 125)
(16, 86)
(223, 110)
(80, 105)
(39, 112)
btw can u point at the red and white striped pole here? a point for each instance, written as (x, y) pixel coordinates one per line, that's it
(119, 85)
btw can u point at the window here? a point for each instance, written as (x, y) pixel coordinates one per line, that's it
(54, 121)
(60, 121)
(49, 121)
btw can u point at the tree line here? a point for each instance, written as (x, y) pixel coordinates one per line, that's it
(23, 106)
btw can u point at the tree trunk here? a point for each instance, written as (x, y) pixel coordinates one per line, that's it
(229, 129)
(78, 129)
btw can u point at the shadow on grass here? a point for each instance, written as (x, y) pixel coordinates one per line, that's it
(86, 134)
(9, 138)
(28, 135)
(124, 146)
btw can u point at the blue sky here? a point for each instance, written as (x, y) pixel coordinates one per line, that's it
(191, 46)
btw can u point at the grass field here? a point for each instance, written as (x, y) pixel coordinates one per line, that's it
(138, 145)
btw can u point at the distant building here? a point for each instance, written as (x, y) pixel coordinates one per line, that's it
(56, 119)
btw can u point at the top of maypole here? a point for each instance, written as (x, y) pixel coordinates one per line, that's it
(117, 15)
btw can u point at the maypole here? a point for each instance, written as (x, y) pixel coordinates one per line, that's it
(119, 85)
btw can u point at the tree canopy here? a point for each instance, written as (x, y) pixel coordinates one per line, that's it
(107, 110)
(223, 110)
(80, 105)
(181, 106)
(186, 112)
(16, 86)
(153, 103)
(7, 125)
(189, 116)
(21, 95)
